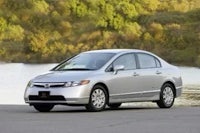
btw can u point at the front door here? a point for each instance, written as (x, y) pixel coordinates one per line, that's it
(123, 83)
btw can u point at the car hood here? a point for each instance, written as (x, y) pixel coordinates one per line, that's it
(63, 76)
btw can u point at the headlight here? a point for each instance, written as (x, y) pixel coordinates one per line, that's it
(76, 83)
(29, 85)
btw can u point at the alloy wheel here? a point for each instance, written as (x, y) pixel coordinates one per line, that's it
(98, 98)
(168, 95)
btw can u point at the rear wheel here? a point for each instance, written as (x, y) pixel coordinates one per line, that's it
(114, 105)
(43, 107)
(167, 96)
(98, 99)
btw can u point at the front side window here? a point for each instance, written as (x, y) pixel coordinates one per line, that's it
(127, 60)
(85, 61)
(146, 61)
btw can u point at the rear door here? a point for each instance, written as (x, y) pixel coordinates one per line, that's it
(149, 73)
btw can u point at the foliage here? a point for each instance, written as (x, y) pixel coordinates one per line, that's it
(52, 30)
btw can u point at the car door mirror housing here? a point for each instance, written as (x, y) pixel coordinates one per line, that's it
(118, 68)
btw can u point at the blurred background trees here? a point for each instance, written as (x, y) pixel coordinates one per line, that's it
(37, 31)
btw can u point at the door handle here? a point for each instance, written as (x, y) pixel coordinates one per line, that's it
(158, 72)
(135, 74)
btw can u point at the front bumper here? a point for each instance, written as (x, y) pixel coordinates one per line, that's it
(61, 95)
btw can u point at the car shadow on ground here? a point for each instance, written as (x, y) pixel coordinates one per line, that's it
(83, 110)
(70, 109)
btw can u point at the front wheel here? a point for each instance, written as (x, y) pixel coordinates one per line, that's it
(98, 99)
(167, 96)
(43, 107)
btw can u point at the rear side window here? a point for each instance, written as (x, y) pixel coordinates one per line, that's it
(127, 60)
(147, 61)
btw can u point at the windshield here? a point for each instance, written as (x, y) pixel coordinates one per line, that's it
(85, 61)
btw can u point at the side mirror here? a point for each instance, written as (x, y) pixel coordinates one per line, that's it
(118, 68)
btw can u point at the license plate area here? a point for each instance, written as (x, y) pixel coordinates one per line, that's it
(44, 94)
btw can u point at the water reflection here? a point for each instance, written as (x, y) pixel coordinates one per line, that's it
(14, 78)
(191, 76)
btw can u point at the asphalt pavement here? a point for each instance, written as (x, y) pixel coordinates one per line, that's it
(64, 119)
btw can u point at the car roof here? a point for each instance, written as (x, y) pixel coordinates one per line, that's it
(114, 51)
(122, 51)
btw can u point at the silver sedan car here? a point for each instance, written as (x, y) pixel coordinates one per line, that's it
(98, 78)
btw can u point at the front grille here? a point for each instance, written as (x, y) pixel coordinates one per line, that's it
(49, 98)
(42, 86)
(49, 85)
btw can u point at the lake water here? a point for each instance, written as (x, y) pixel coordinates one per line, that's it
(15, 76)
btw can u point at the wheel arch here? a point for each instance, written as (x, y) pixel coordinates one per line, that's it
(106, 89)
(172, 84)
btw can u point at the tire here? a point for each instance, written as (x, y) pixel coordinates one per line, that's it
(43, 107)
(114, 105)
(98, 99)
(167, 96)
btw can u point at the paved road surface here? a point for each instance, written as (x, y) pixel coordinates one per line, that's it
(24, 119)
